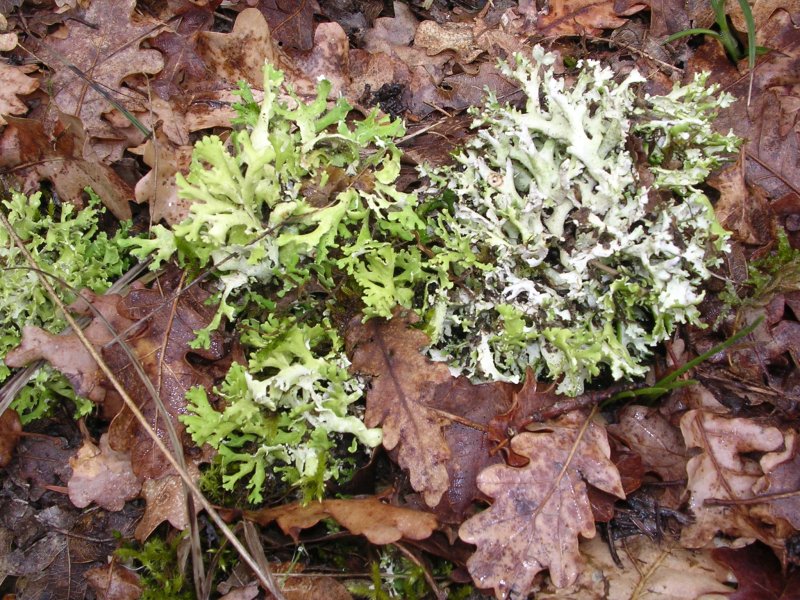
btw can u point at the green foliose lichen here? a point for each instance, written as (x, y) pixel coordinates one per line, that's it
(68, 246)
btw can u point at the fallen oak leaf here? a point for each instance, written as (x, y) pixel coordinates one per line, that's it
(540, 509)
(758, 573)
(166, 501)
(114, 582)
(723, 471)
(403, 387)
(103, 476)
(380, 523)
(13, 83)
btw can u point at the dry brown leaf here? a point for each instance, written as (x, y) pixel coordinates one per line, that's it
(62, 157)
(166, 501)
(400, 399)
(458, 37)
(723, 471)
(649, 571)
(158, 188)
(10, 432)
(114, 582)
(540, 510)
(14, 82)
(161, 347)
(292, 21)
(741, 209)
(104, 42)
(758, 572)
(781, 477)
(183, 66)
(329, 59)
(582, 17)
(241, 53)
(648, 433)
(103, 476)
(380, 523)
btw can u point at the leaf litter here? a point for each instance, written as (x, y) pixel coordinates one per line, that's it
(516, 470)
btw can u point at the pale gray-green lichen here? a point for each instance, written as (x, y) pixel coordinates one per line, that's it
(581, 269)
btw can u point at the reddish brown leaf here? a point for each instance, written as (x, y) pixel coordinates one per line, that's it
(62, 157)
(104, 42)
(10, 430)
(570, 17)
(114, 582)
(66, 352)
(380, 523)
(103, 476)
(401, 397)
(758, 573)
(743, 211)
(182, 64)
(539, 510)
(660, 445)
(722, 471)
(291, 21)
(782, 478)
(161, 347)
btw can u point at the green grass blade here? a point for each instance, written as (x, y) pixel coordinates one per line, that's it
(686, 32)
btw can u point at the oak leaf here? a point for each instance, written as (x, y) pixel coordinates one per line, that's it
(103, 41)
(758, 573)
(400, 398)
(14, 82)
(166, 501)
(62, 156)
(571, 17)
(158, 188)
(540, 509)
(380, 523)
(292, 21)
(723, 471)
(780, 484)
(103, 476)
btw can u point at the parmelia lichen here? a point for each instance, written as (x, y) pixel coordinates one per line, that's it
(540, 249)
(578, 265)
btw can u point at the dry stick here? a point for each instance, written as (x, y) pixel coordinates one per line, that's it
(262, 575)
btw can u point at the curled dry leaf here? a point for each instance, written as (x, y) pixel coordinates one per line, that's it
(400, 399)
(540, 509)
(10, 432)
(723, 471)
(103, 476)
(380, 523)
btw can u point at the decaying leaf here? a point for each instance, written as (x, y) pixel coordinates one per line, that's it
(758, 573)
(166, 501)
(66, 352)
(13, 83)
(10, 432)
(103, 476)
(649, 571)
(648, 433)
(400, 400)
(61, 156)
(104, 43)
(722, 471)
(540, 509)
(780, 484)
(380, 523)
(158, 188)
(568, 17)
(114, 582)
